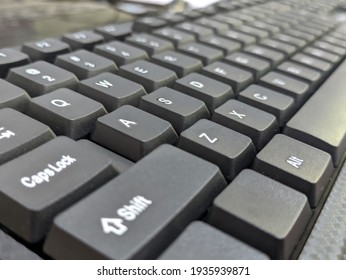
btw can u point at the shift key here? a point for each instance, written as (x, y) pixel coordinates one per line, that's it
(136, 215)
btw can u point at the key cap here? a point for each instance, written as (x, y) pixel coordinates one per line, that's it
(210, 141)
(242, 38)
(10, 58)
(237, 78)
(213, 93)
(149, 75)
(245, 209)
(310, 30)
(179, 109)
(273, 102)
(147, 24)
(20, 134)
(172, 18)
(258, 125)
(315, 63)
(287, 49)
(199, 241)
(151, 44)
(324, 55)
(324, 117)
(272, 29)
(10, 249)
(290, 86)
(116, 31)
(132, 133)
(258, 67)
(84, 39)
(209, 11)
(273, 57)
(243, 17)
(176, 36)
(62, 111)
(334, 41)
(300, 35)
(47, 49)
(41, 183)
(258, 33)
(226, 45)
(299, 43)
(297, 165)
(181, 64)
(210, 23)
(141, 213)
(195, 29)
(85, 64)
(12, 96)
(112, 91)
(120, 52)
(232, 22)
(202, 52)
(41, 77)
(190, 14)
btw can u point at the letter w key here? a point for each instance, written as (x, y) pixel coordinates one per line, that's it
(104, 84)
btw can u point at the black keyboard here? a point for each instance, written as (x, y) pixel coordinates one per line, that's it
(217, 133)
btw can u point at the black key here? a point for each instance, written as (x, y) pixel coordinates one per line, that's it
(120, 52)
(11, 249)
(258, 33)
(324, 55)
(41, 77)
(297, 165)
(213, 93)
(179, 109)
(273, 57)
(226, 45)
(20, 134)
(85, 64)
(115, 31)
(199, 241)
(149, 75)
(232, 22)
(177, 37)
(112, 91)
(324, 117)
(43, 182)
(273, 102)
(151, 44)
(172, 18)
(210, 23)
(10, 58)
(83, 40)
(306, 74)
(313, 62)
(47, 49)
(195, 29)
(147, 24)
(298, 90)
(12, 96)
(286, 48)
(141, 213)
(179, 63)
(299, 43)
(210, 141)
(263, 213)
(240, 37)
(260, 126)
(62, 111)
(132, 132)
(205, 53)
(258, 67)
(237, 78)
(330, 47)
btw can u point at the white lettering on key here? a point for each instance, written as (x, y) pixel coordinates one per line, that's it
(196, 84)
(125, 53)
(170, 58)
(6, 134)
(104, 84)
(279, 82)
(220, 71)
(48, 78)
(43, 44)
(46, 174)
(242, 60)
(294, 70)
(110, 48)
(212, 141)
(89, 64)
(2, 54)
(295, 162)
(260, 96)
(141, 70)
(60, 103)
(165, 101)
(127, 123)
(79, 35)
(113, 225)
(75, 58)
(240, 116)
(32, 71)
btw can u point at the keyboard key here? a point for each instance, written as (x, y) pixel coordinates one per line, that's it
(324, 55)
(167, 206)
(83, 40)
(334, 41)
(202, 52)
(226, 45)
(85, 64)
(258, 33)
(43, 182)
(245, 210)
(297, 165)
(116, 31)
(132, 132)
(213, 93)
(300, 35)
(181, 64)
(258, 125)
(112, 91)
(62, 111)
(237, 78)
(199, 241)
(20, 134)
(239, 37)
(147, 24)
(273, 57)
(176, 36)
(232, 22)
(120, 52)
(299, 43)
(315, 63)
(47, 49)
(195, 29)
(41, 77)
(287, 49)
(210, 23)
(12, 96)
(179, 109)
(210, 141)
(172, 18)
(149, 75)
(10, 58)
(273, 102)
(272, 29)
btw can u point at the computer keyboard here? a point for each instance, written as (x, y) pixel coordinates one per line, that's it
(217, 133)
